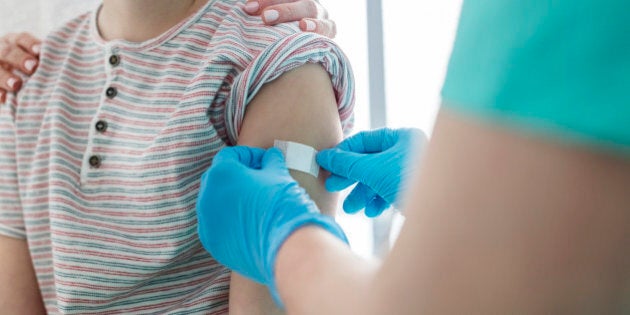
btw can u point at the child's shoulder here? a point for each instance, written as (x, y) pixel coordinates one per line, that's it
(75, 28)
(232, 26)
(64, 41)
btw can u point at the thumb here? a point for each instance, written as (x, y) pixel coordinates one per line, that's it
(339, 162)
(273, 158)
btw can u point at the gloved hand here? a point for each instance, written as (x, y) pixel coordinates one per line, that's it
(378, 161)
(248, 206)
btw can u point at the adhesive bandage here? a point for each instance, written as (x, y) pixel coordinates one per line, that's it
(299, 157)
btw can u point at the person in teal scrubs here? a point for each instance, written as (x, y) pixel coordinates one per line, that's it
(520, 204)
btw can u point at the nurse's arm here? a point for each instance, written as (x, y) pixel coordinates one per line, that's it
(19, 292)
(299, 106)
(497, 223)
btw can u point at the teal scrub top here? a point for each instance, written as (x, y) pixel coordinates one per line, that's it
(556, 67)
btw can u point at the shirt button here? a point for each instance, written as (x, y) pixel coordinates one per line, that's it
(114, 60)
(101, 126)
(111, 92)
(95, 161)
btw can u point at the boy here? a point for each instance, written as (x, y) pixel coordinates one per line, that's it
(101, 155)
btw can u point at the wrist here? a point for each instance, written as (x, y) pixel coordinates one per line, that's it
(304, 222)
(299, 257)
(283, 232)
(299, 246)
(294, 210)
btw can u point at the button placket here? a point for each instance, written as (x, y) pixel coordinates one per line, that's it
(93, 160)
(114, 61)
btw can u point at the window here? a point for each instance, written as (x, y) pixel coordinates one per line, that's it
(416, 43)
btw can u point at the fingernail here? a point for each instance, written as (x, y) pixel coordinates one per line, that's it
(30, 64)
(310, 25)
(252, 7)
(36, 48)
(271, 15)
(12, 82)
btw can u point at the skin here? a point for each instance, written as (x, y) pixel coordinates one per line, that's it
(120, 19)
(17, 52)
(20, 51)
(546, 233)
(306, 93)
(19, 293)
(304, 111)
(16, 268)
(312, 16)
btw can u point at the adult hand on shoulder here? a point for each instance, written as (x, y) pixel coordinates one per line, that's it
(378, 161)
(17, 52)
(248, 205)
(313, 17)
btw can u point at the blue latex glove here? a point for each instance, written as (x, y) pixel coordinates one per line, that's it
(378, 161)
(248, 206)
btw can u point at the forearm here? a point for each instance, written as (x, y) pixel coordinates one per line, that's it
(19, 293)
(316, 273)
(503, 222)
(546, 232)
(250, 298)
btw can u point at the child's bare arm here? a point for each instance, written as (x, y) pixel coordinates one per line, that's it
(299, 106)
(19, 293)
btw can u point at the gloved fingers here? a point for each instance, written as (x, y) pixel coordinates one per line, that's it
(354, 143)
(273, 158)
(375, 207)
(371, 141)
(358, 198)
(411, 137)
(248, 156)
(338, 183)
(216, 175)
(339, 162)
(379, 140)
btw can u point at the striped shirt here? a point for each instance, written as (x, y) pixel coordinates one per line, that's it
(101, 154)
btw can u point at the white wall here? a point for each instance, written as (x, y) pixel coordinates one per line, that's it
(418, 39)
(39, 16)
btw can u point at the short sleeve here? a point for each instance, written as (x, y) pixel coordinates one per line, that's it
(284, 55)
(558, 68)
(11, 219)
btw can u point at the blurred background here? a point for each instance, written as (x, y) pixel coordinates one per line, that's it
(399, 51)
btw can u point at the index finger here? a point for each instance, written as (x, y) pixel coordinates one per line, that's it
(291, 11)
(372, 141)
(248, 156)
(27, 42)
(339, 162)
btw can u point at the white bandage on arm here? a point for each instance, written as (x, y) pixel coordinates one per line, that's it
(299, 157)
